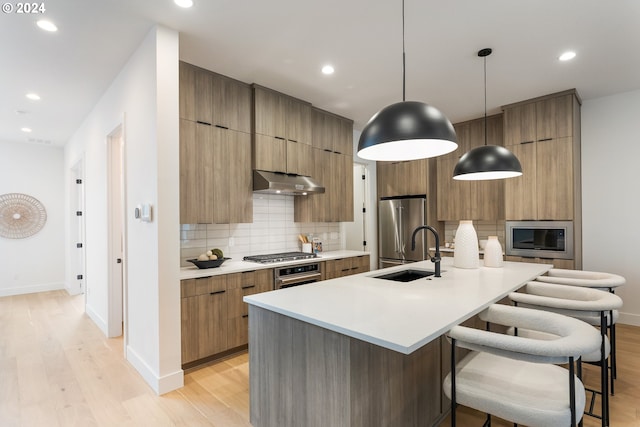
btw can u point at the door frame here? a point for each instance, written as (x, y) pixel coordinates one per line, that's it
(116, 213)
(77, 230)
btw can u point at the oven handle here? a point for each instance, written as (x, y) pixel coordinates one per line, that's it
(284, 281)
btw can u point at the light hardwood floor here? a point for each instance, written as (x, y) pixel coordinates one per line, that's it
(57, 369)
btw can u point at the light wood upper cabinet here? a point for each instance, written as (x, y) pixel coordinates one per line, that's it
(282, 132)
(550, 156)
(332, 132)
(475, 200)
(269, 113)
(231, 104)
(298, 121)
(402, 178)
(215, 175)
(238, 177)
(521, 192)
(554, 117)
(331, 164)
(520, 124)
(335, 172)
(196, 173)
(213, 99)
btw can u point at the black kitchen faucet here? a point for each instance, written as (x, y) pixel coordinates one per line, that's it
(436, 258)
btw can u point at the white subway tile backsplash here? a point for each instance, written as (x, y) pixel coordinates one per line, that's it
(273, 230)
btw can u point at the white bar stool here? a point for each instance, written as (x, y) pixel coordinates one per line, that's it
(592, 279)
(516, 378)
(579, 303)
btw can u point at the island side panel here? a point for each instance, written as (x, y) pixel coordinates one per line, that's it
(394, 389)
(299, 373)
(304, 375)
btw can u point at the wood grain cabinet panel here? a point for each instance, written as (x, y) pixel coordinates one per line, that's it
(209, 157)
(346, 266)
(475, 200)
(550, 185)
(214, 319)
(231, 104)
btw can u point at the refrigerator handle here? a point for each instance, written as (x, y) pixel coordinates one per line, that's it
(397, 232)
(401, 231)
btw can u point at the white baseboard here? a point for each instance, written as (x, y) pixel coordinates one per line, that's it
(97, 319)
(629, 319)
(31, 289)
(160, 385)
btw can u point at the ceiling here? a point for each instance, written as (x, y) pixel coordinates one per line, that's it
(283, 44)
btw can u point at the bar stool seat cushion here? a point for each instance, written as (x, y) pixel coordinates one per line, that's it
(534, 394)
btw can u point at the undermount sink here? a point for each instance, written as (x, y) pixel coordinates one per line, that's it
(406, 275)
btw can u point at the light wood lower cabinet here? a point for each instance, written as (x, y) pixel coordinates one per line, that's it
(204, 313)
(568, 264)
(214, 317)
(346, 266)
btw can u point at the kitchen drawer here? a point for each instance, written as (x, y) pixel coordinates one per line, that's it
(202, 285)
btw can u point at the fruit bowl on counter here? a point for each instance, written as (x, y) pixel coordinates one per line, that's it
(210, 263)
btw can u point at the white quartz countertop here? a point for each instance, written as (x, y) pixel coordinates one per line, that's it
(399, 316)
(238, 266)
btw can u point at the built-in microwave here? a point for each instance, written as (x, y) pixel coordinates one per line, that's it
(539, 239)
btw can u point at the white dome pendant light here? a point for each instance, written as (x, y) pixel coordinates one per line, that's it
(406, 130)
(487, 161)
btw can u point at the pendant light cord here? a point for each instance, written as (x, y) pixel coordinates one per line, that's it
(404, 65)
(485, 100)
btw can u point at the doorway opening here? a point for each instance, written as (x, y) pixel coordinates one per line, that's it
(356, 231)
(116, 232)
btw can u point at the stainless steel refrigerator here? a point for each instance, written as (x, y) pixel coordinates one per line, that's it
(397, 218)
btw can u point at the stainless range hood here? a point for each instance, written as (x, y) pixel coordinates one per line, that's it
(282, 183)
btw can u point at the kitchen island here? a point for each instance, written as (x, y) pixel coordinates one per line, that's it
(364, 351)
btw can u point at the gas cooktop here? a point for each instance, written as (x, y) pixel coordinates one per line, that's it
(280, 257)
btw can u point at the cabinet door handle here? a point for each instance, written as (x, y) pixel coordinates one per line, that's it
(293, 140)
(244, 316)
(249, 287)
(222, 127)
(346, 269)
(526, 142)
(327, 150)
(203, 123)
(217, 292)
(545, 139)
(203, 278)
(279, 137)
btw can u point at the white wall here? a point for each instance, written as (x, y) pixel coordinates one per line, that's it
(36, 263)
(610, 201)
(144, 98)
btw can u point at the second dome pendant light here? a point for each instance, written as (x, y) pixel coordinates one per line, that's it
(487, 161)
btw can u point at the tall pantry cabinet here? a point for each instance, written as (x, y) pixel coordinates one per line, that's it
(544, 133)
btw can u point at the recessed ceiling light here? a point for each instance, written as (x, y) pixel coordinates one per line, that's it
(184, 3)
(567, 56)
(26, 130)
(327, 69)
(33, 96)
(47, 25)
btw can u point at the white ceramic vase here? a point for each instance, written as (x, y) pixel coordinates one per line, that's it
(493, 253)
(465, 253)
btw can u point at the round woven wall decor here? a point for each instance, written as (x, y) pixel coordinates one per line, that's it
(20, 215)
